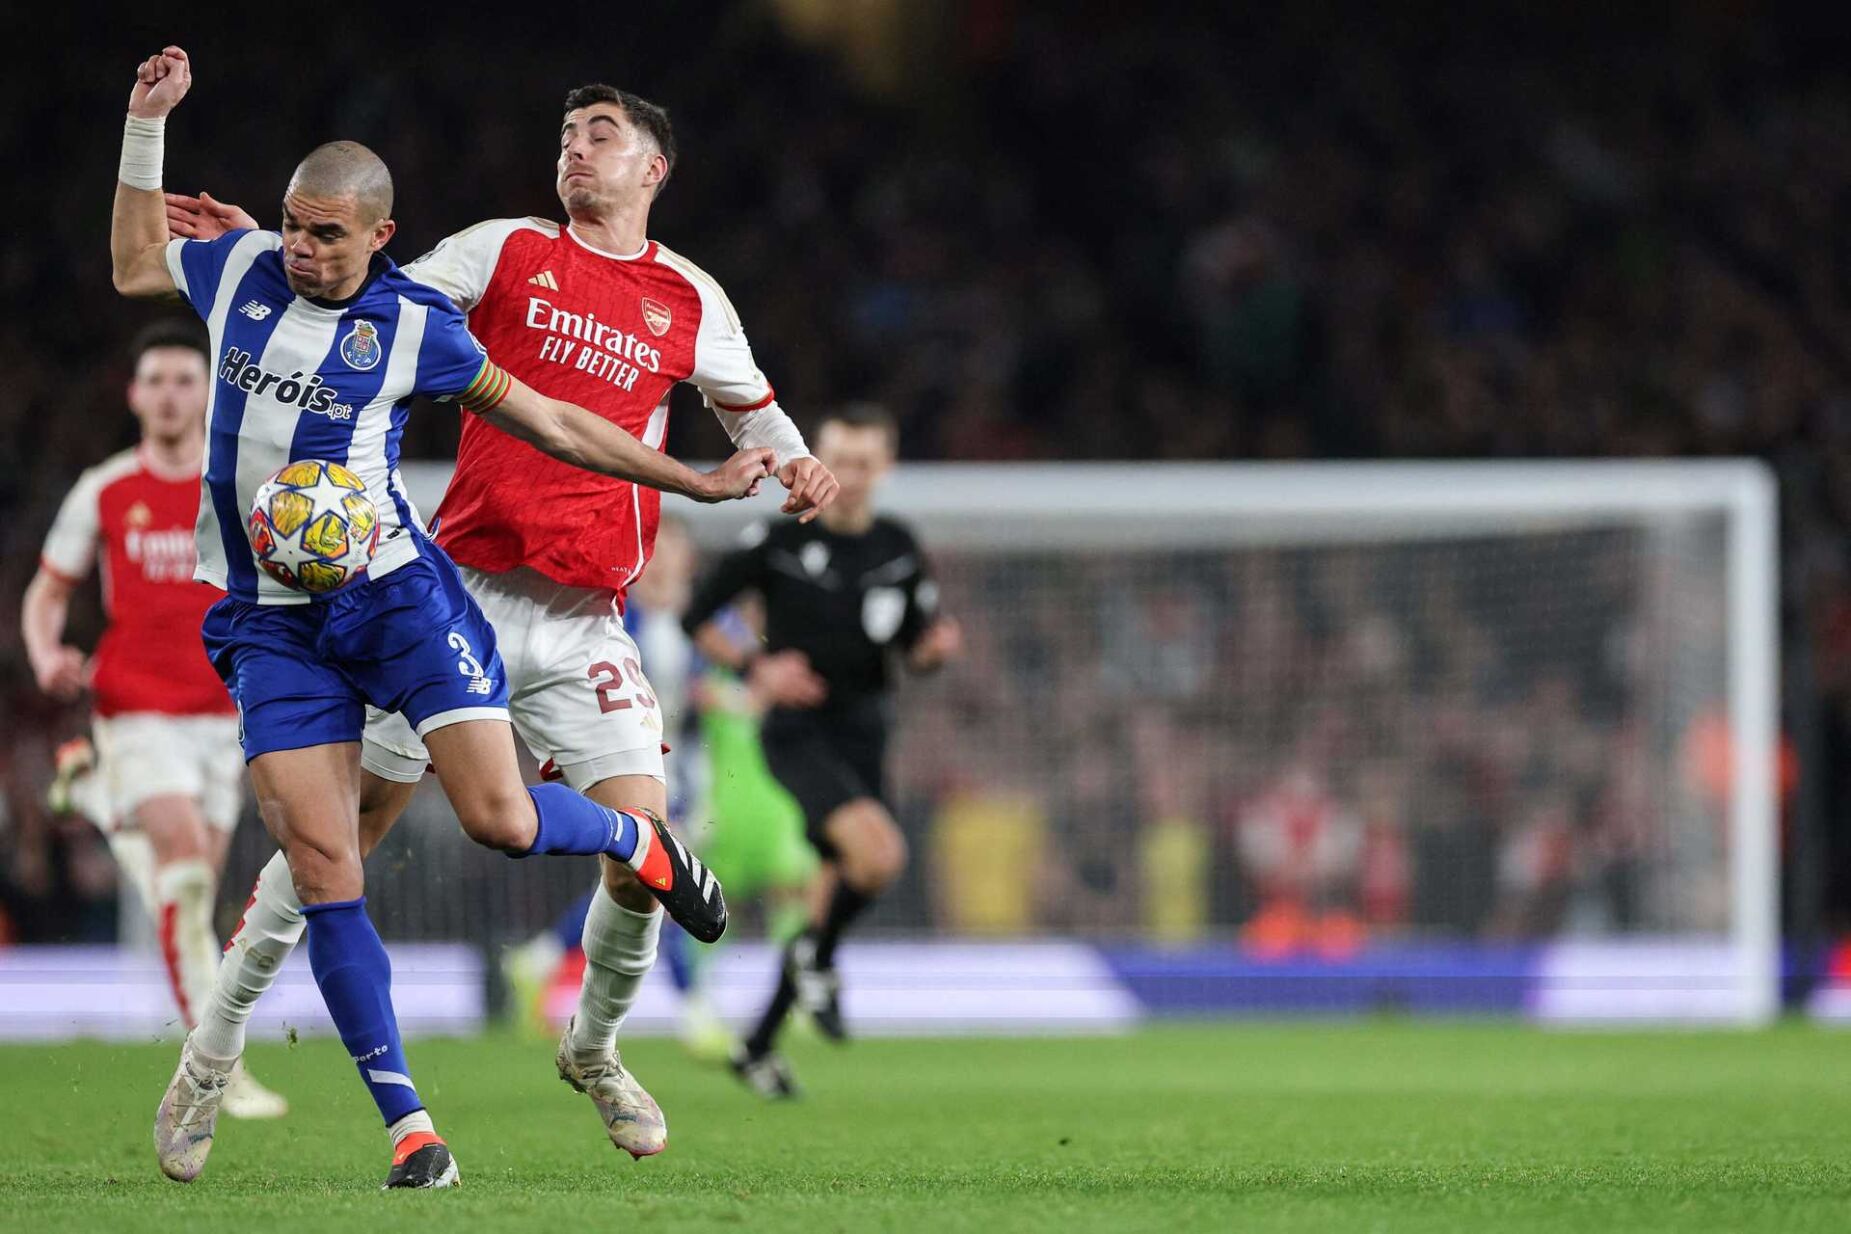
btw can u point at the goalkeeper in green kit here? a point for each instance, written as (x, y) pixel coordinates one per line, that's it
(755, 837)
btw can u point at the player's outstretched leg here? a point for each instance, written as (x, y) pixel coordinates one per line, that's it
(569, 823)
(620, 948)
(475, 761)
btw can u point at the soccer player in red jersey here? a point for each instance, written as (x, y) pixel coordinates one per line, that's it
(595, 312)
(170, 769)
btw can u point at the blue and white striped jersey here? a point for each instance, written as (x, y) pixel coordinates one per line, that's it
(296, 380)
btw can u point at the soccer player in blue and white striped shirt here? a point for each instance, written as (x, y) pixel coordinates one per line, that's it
(320, 343)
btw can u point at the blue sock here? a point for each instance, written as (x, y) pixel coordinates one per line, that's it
(350, 966)
(573, 823)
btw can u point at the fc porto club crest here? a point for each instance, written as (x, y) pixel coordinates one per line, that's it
(656, 316)
(361, 347)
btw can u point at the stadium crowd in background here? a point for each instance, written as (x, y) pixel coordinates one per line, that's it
(1565, 235)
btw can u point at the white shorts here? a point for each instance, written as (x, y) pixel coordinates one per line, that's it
(576, 690)
(147, 754)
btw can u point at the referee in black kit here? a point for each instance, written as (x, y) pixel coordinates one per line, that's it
(844, 597)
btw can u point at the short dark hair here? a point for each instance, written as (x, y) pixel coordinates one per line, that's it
(171, 332)
(652, 118)
(865, 415)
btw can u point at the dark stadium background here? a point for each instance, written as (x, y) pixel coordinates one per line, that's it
(1062, 231)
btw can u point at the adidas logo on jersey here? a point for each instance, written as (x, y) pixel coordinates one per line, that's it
(545, 279)
(256, 310)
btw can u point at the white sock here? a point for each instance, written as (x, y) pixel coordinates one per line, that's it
(417, 1120)
(271, 928)
(183, 895)
(620, 949)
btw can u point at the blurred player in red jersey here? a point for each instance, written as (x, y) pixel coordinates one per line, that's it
(596, 312)
(170, 774)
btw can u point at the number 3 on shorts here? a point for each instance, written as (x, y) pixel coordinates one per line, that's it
(466, 662)
(610, 682)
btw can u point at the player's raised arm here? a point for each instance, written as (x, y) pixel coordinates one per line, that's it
(582, 438)
(138, 224)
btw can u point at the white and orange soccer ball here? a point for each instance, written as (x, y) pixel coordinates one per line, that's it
(313, 527)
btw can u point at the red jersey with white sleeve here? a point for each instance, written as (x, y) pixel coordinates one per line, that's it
(612, 333)
(137, 524)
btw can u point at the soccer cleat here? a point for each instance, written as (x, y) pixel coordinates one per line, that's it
(677, 879)
(819, 989)
(189, 1114)
(766, 1074)
(631, 1116)
(246, 1098)
(422, 1161)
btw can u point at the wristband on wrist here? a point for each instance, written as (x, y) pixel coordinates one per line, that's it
(142, 152)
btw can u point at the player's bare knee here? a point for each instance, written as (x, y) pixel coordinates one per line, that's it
(499, 819)
(873, 871)
(874, 859)
(893, 854)
(324, 873)
(874, 851)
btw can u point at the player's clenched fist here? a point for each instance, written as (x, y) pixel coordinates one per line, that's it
(161, 81)
(738, 477)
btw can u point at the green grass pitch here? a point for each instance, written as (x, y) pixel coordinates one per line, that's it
(1370, 1126)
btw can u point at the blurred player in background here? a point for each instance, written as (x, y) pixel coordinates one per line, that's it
(596, 312)
(169, 775)
(841, 596)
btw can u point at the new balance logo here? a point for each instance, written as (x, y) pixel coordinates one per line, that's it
(545, 279)
(256, 310)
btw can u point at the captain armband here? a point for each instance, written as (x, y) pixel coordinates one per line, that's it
(487, 391)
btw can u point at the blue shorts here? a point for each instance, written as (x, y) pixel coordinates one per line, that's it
(413, 642)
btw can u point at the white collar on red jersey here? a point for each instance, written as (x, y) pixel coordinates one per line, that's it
(592, 248)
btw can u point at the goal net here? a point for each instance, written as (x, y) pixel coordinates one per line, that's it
(1449, 730)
